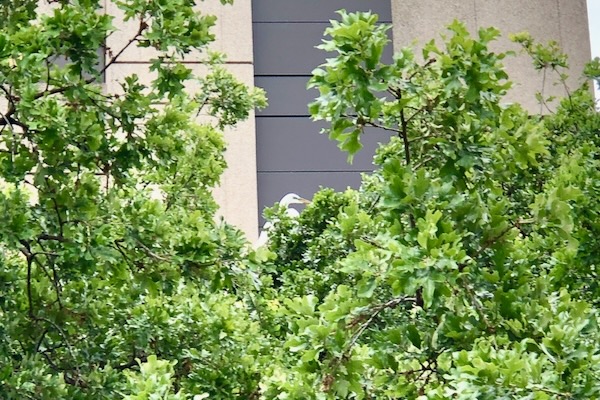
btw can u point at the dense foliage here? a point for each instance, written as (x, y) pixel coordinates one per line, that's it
(110, 254)
(464, 267)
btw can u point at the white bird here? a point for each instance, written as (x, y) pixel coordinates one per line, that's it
(286, 201)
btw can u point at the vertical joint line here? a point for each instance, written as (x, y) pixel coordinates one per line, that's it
(475, 13)
(560, 32)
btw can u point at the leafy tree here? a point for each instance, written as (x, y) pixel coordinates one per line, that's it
(111, 260)
(466, 265)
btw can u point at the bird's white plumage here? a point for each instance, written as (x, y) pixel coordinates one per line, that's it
(286, 201)
(292, 198)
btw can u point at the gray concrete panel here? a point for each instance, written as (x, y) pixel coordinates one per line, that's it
(315, 10)
(290, 49)
(287, 95)
(295, 144)
(545, 20)
(291, 154)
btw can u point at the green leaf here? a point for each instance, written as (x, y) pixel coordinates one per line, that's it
(413, 335)
(428, 293)
(366, 287)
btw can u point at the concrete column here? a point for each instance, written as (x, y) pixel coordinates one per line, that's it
(564, 21)
(236, 195)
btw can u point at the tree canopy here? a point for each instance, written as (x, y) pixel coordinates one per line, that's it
(110, 253)
(463, 267)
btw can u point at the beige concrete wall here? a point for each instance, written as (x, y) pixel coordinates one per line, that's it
(564, 21)
(414, 20)
(236, 194)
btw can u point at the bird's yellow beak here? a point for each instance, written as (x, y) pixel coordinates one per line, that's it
(304, 201)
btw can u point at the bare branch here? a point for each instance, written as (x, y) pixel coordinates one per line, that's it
(376, 125)
(142, 27)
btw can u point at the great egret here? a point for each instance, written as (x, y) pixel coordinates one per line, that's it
(286, 201)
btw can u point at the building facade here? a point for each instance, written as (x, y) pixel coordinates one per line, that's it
(270, 43)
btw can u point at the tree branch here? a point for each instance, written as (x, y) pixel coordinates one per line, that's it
(424, 161)
(372, 313)
(54, 279)
(132, 363)
(57, 238)
(143, 26)
(40, 340)
(29, 296)
(424, 66)
(376, 125)
(490, 242)
(58, 217)
(151, 253)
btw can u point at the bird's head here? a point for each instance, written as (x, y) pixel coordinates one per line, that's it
(292, 198)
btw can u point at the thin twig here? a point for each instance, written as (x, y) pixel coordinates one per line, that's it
(542, 100)
(376, 125)
(425, 107)
(57, 238)
(54, 279)
(151, 253)
(143, 26)
(29, 295)
(486, 245)
(64, 336)
(59, 218)
(374, 313)
(40, 340)
(424, 66)
(423, 162)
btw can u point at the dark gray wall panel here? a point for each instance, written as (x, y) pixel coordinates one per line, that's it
(61, 61)
(291, 154)
(315, 10)
(274, 185)
(289, 49)
(294, 144)
(287, 95)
